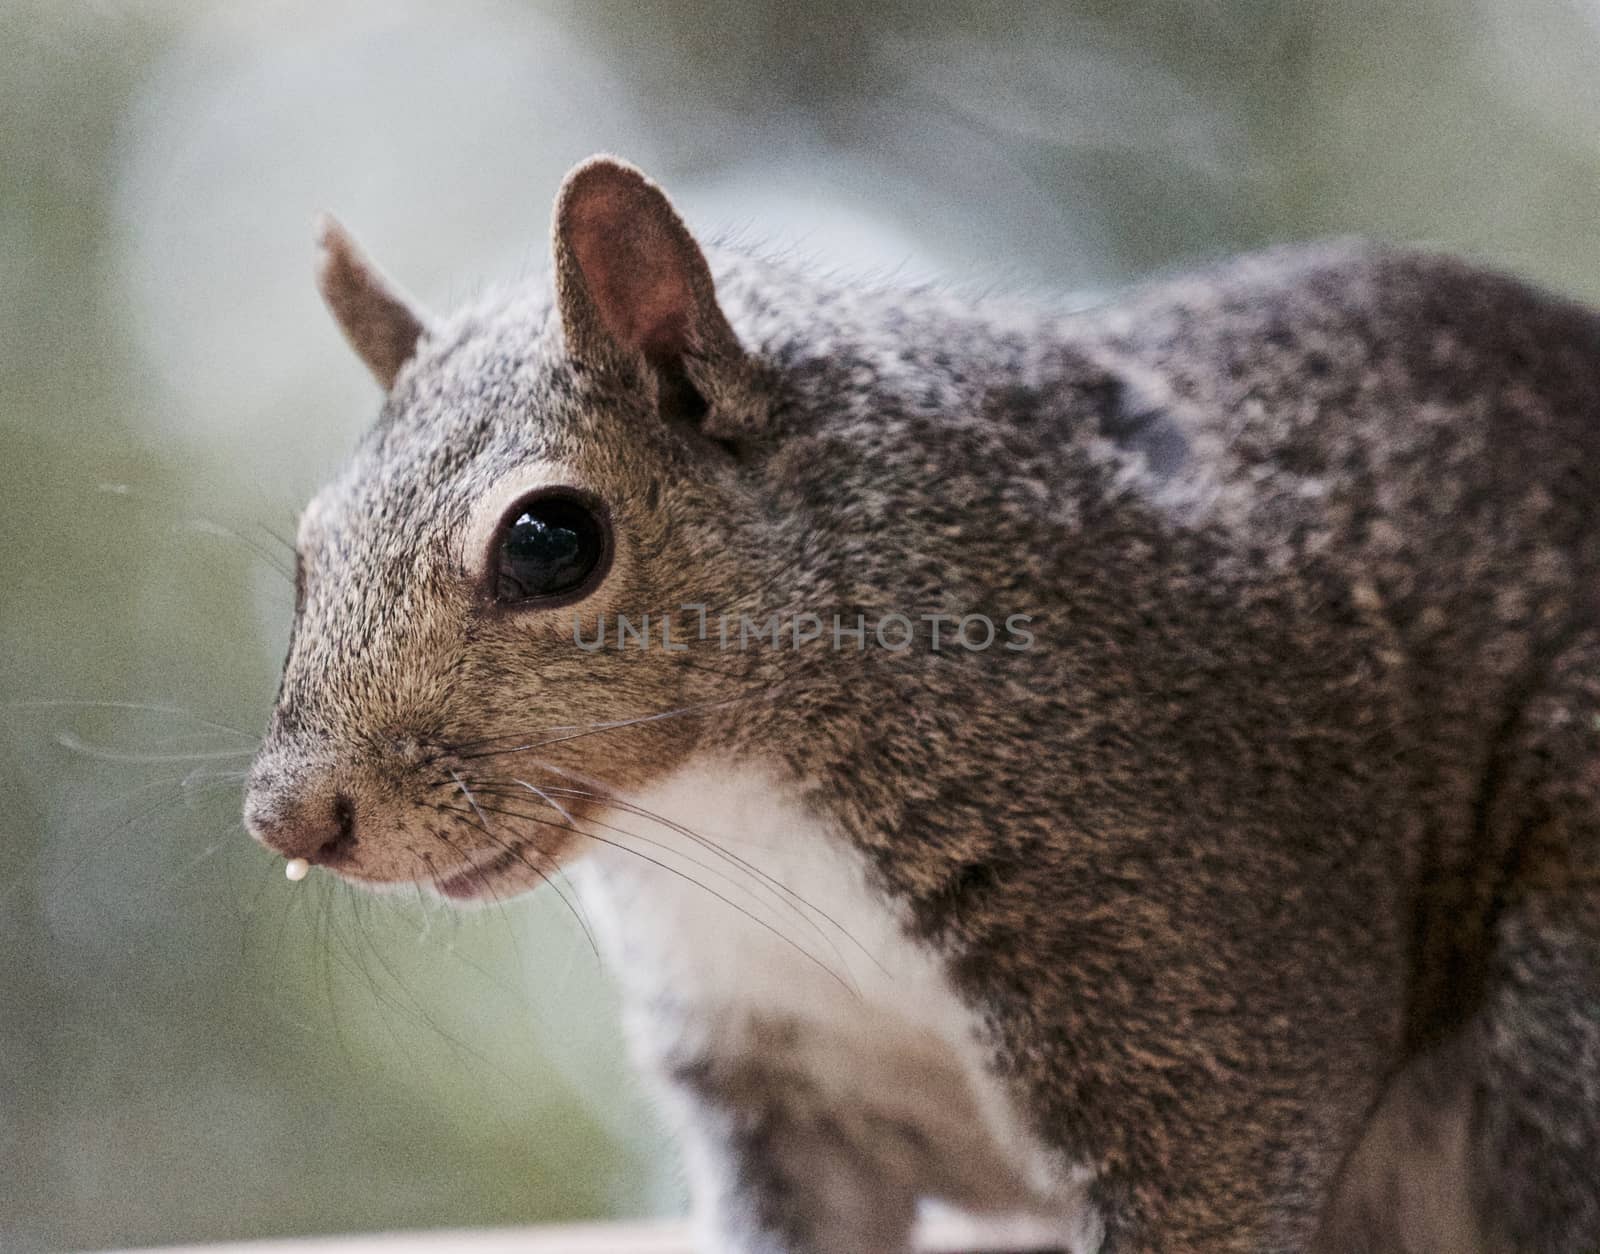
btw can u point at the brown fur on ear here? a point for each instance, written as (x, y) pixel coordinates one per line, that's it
(631, 281)
(377, 320)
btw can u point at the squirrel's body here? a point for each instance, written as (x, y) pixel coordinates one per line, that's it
(1252, 906)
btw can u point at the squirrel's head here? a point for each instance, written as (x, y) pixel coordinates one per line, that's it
(542, 465)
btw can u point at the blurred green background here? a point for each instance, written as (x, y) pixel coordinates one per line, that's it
(190, 1048)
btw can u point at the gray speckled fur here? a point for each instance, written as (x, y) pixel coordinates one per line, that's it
(1295, 801)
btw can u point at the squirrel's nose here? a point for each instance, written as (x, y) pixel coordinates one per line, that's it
(318, 825)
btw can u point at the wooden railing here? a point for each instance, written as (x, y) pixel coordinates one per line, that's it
(944, 1234)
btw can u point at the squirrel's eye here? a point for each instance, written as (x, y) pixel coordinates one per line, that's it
(549, 545)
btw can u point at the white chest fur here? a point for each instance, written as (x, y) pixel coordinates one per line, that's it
(725, 893)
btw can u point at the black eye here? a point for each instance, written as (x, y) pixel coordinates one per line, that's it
(549, 545)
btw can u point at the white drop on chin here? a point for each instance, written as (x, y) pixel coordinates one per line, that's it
(296, 868)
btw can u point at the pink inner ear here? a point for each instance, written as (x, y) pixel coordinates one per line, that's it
(627, 244)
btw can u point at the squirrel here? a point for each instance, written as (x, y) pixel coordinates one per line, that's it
(1237, 888)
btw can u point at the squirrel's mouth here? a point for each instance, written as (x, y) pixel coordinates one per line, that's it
(507, 873)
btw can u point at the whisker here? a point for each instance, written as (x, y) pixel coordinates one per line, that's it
(508, 794)
(672, 870)
(413, 1006)
(776, 887)
(711, 846)
(571, 904)
(516, 943)
(483, 878)
(545, 797)
(202, 774)
(97, 842)
(593, 729)
(209, 851)
(598, 725)
(278, 536)
(606, 796)
(141, 707)
(426, 909)
(209, 526)
(201, 523)
(141, 888)
(270, 878)
(74, 743)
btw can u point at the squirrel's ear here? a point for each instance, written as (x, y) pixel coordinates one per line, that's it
(380, 323)
(631, 283)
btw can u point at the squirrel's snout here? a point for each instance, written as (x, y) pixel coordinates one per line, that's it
(318, 825)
